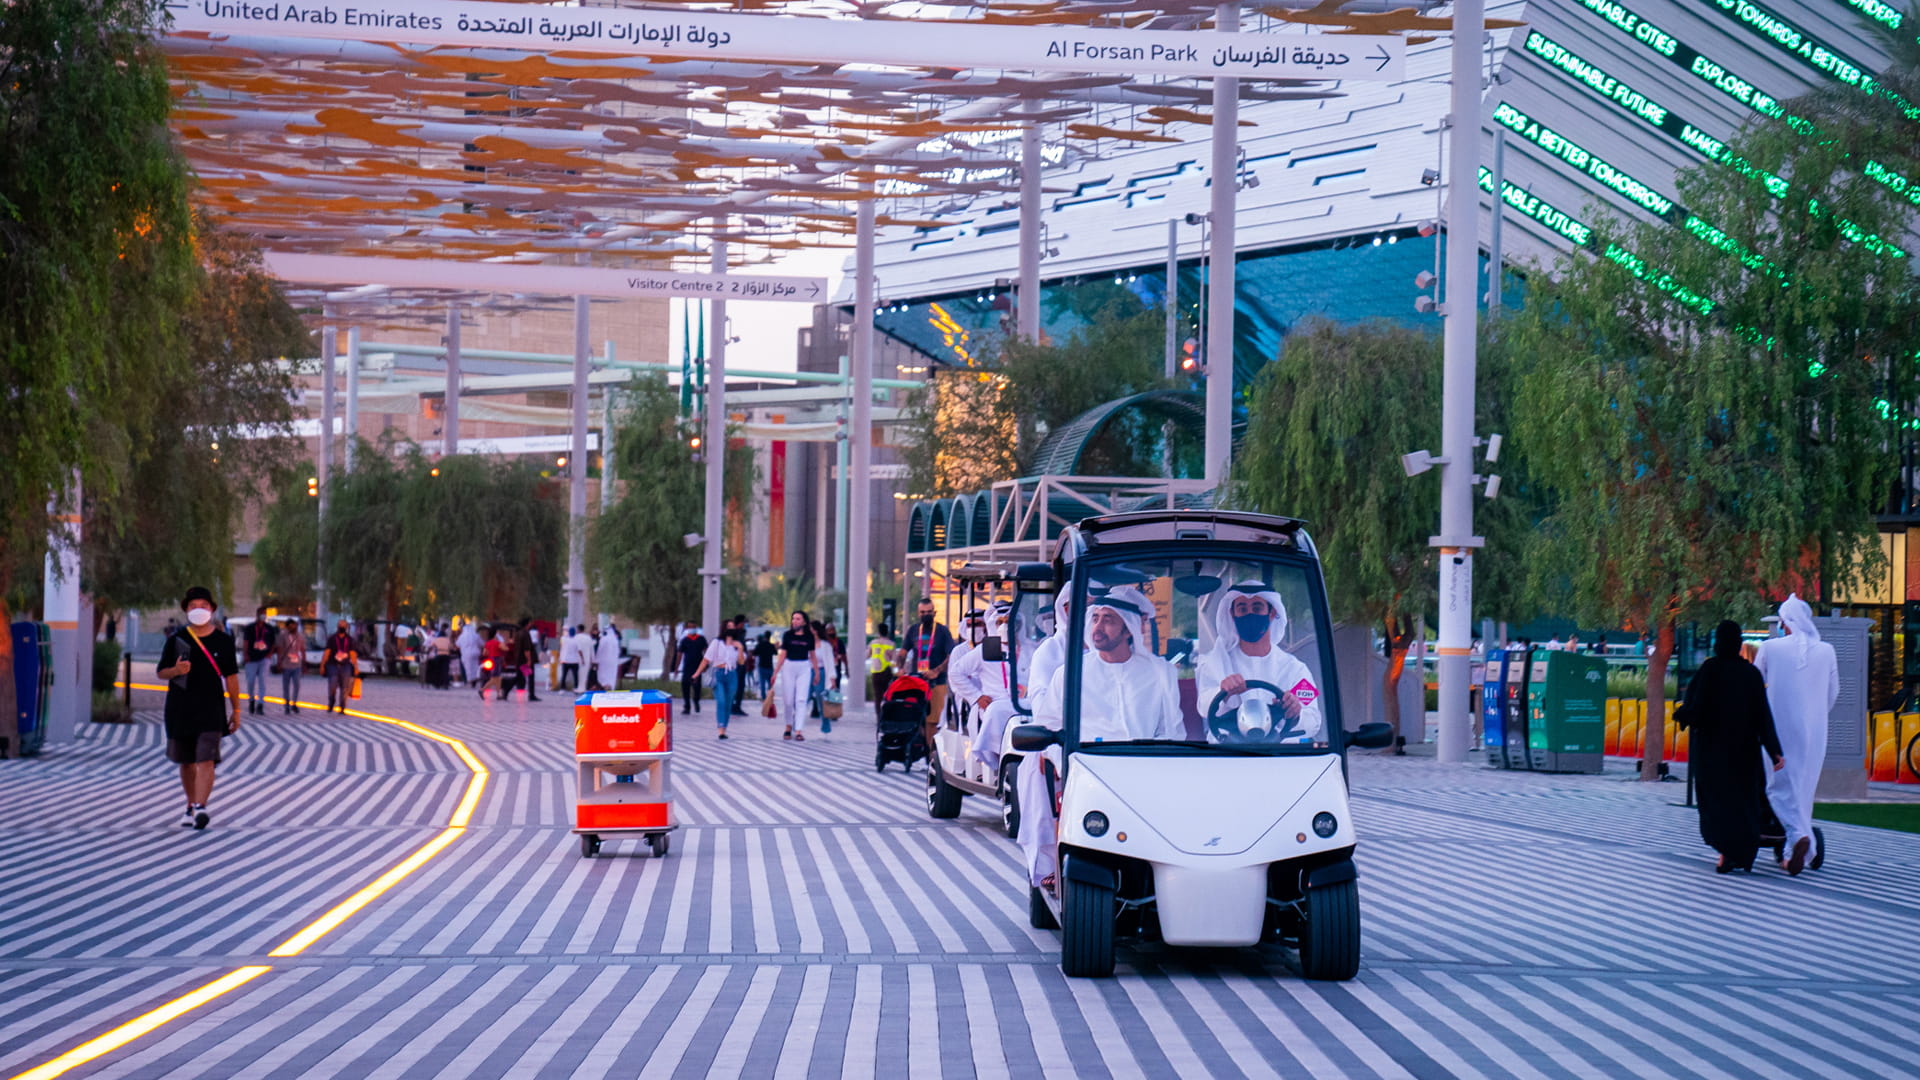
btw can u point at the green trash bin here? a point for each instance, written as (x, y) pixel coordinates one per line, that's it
(1566, 712)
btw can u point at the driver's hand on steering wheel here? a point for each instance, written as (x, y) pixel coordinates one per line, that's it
(1290, 703)
(1234, 684)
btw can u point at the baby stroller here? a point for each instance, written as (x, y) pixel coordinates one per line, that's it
(902, 734)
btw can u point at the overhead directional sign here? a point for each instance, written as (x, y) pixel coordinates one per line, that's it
(742, 37)
(545, 279)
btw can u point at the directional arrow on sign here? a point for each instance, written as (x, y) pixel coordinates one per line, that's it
(1381, 54)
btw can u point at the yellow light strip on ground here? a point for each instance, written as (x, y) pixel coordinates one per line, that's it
(140, 1025)
(325, 924)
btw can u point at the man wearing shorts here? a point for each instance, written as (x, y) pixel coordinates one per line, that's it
(203, 701)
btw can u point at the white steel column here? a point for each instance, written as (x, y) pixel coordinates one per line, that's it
(861, 492)
(1173, 298)
(1495, 260)
(842, 483)
(609, 417)
(353, 394)
(71, 696)
(1224, 175)
(327, 344)
(1456, 540)
(577, 471)
(1027, 292)
(450, 416)
(714, 445)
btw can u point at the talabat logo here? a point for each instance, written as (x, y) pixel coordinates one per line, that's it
(620, 717)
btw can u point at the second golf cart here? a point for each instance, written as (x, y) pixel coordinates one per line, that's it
(1186, 779)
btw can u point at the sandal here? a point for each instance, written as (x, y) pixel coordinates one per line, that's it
(788, 734)
(799, 737)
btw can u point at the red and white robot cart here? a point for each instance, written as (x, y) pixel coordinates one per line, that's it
(622, 744)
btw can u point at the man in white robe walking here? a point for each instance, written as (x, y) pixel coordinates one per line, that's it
(1803, 682)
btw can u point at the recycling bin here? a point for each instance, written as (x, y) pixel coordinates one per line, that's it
(1566, 712)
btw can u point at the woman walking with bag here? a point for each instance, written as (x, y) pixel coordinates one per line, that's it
(342, 663)
(289, 658)
(723, 660)
(1726, 712)
(793, 673)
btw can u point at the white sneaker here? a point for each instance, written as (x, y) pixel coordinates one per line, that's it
(201, 818)
(186, 818)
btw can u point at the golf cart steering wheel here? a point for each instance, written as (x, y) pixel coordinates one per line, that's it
(1225, 729)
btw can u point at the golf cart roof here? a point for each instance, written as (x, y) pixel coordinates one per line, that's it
(982, 572)
(1162, 525)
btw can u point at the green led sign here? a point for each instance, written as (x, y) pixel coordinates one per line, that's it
(1798, 44)
(1881, 13)
(1539, 210)
(1658, 278)
(1648, 34)
(1583, 159)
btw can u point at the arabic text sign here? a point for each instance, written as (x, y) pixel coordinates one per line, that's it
(738, 37)
(543, 279)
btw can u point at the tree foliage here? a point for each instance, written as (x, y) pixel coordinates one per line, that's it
(1327, 423)
(642, 566)
(978, 425)
(287, 555)
(1718, 395)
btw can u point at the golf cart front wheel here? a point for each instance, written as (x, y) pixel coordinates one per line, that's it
(1010, 800)
(943, 799)
(1039, 915)
(1086, 929)
(1330, 932)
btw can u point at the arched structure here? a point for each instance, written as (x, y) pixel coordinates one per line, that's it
(1061, 452)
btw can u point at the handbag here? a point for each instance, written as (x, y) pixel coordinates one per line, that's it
(767, 708)
(354, 690)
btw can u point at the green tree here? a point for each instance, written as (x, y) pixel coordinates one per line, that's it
(1717, 398)
(287, 556)
(482, 536)
(96, 261)
(372, 511)
(192, 469)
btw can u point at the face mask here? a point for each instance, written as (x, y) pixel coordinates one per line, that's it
(1251, 627)
(977, 634)
(199, 616)
(926, 621)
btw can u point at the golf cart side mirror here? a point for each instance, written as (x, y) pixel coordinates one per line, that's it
(1376, 735)
(1033, 738)
(993, 650)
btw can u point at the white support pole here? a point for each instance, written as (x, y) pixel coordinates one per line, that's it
(71, 695)
(577, 470)
(842, 485)
(609, 417)
(450, 417)
(1173, 298)
(1456, 541)
(1027, 292)
(859, 504)
(327, 345)
(1224, 175)
(1495, 259)
(714, 445)
(352, 428)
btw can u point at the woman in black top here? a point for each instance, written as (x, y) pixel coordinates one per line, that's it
(799, 656)
(1726, 711)
(203, 700)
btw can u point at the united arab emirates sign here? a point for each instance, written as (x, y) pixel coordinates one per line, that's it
(776, 38)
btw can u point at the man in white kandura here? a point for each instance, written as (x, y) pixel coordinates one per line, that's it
(1803, 682)
(1126, 693)
(989, 686)
(960, 665)
(1249, 623)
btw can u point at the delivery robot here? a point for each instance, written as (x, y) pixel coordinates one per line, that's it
(1190, 749)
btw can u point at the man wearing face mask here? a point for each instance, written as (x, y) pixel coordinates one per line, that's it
(962, 680)
(1248, 625)
(203, 700)
(929, 647)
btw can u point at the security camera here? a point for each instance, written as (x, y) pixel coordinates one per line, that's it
(1196, 219)
(1427, 227)
(1429, 177)
(1416, 463)
(1424, 280)
(693, 540)
(1425, 304)
(1493, 451)
(1493, 485)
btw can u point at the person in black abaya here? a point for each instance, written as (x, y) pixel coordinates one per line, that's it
(1726, 711)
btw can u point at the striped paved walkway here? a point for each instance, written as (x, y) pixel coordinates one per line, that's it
(813, 922)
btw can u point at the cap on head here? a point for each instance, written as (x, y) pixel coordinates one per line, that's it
(198, 592)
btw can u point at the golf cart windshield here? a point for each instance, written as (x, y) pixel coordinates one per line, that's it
(1224, 652)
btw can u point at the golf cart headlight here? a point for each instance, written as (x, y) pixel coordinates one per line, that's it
(1325, 825)
(1095, 823)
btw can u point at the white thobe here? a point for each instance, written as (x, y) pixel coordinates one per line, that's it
(1279, 668)
(1800, 697)
(1136, 699)
(962, 681)
(469, 653)
(606, 660)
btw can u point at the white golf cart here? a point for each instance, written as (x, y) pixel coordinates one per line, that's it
(1217, 818)
(958, 766)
